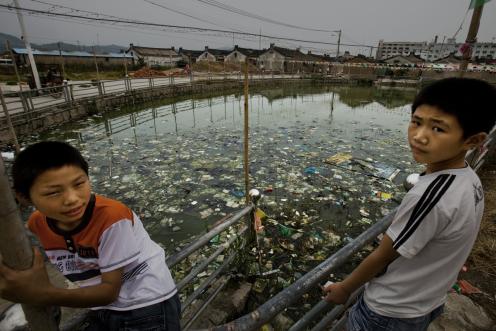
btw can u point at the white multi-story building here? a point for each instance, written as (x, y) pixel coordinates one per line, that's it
(433, 51)
(386, 50)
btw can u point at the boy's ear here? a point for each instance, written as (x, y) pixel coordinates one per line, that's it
(475, 140)
(23, 200)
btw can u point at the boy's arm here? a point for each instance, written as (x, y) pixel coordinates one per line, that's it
(32, 286)
(371, 266)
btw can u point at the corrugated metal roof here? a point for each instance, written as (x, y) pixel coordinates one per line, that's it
(67, 54)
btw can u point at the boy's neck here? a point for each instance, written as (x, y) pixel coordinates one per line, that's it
(457, 162)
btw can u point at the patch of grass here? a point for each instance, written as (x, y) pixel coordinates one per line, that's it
(10, 78)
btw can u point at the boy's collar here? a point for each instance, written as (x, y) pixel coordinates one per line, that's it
(88, 213)
(424, 173)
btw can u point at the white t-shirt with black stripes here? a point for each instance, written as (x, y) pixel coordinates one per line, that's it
(434, 230)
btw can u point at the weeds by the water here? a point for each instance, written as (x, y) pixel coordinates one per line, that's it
(483, 257)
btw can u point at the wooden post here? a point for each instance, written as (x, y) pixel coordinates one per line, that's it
(7, 43)
(246, 128)
(25, 105)
(125, 67)
(471, 37)
(9, 122)
(61, 62)
(17, 252)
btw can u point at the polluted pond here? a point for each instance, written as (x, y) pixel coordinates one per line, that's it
(329, 162)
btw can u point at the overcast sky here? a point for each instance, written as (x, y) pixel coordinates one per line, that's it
(361, 22)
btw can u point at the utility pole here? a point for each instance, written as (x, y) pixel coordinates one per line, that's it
(471, 35)
(339, 42)
(28, 46)
(260, 40)
(442, 47)
(96, 65)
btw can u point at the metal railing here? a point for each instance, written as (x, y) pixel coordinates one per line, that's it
(30, 105)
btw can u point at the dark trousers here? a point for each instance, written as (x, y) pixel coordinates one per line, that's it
(162, 316)
(362, 318)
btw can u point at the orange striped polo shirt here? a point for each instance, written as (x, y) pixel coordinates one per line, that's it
(110, 236)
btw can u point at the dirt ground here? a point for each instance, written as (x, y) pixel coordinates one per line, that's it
(482, 261)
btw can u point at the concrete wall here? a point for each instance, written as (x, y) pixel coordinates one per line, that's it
(161, 61)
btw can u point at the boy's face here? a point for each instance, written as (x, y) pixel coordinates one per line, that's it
(62, 194)
(436, 139)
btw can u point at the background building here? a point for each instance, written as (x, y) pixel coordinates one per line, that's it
(433, 51)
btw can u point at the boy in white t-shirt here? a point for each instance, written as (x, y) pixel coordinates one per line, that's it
(98, 243)
(418, 260)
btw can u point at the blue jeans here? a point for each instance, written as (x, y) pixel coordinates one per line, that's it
(361, 318)
(162, 316)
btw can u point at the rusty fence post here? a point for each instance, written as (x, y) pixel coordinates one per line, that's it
(9, 122)
(17, 252)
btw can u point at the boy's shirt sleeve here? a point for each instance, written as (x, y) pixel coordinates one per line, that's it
(117, 247)
(416, 222)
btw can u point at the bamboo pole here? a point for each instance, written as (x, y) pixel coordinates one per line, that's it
(17, 253)
(246, 127)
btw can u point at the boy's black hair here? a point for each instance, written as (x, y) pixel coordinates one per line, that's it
(40, 157)
(471, 101)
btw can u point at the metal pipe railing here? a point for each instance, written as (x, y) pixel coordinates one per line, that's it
(205, 304)
(207, 282)
(176, 258)
(206, 262)
(292, 293)
(326, 321)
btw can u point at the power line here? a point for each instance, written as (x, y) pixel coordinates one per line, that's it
(461, 24)
(139, 29)
(182, 13)
(73, 9)
(245, 13)
(179, 27)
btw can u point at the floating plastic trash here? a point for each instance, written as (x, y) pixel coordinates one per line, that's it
(237, 193)
(284, 230)
(8, 156)
(411, 180)
(338, 158)
(311, 170)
